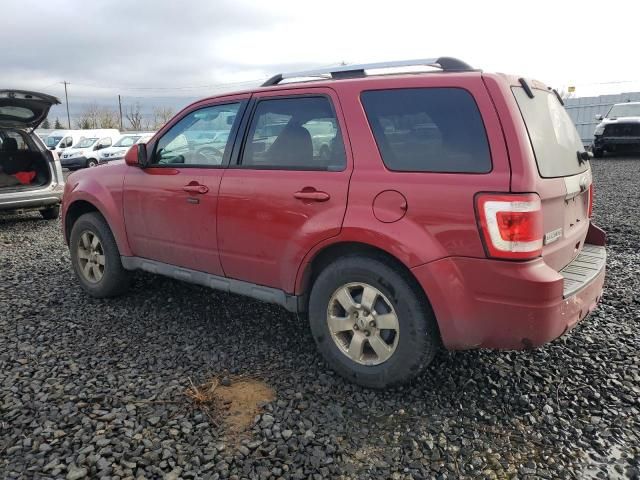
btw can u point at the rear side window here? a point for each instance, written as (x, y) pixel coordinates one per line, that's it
(428, 130)
(294, 134)
(553, 136)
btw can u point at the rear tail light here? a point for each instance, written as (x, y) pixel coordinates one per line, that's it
(592, 191)
(511, 225)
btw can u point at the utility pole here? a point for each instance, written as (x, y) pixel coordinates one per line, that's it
(66, 97)
(120, 105)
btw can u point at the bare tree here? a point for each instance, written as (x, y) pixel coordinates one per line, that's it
(161, 115)
(89, 117)
(134, 117)
(108, 118)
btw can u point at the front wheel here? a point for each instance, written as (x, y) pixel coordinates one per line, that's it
(92, 162)
(598, 152)
(95, 257)
(371, 323)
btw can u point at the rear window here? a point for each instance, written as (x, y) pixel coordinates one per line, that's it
(428, 130)
(553, 136)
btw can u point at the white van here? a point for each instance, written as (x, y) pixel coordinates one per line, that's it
(84, 152)
(58, 140)
(119, 148)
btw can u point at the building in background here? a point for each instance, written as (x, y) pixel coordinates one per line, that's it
(583, 111)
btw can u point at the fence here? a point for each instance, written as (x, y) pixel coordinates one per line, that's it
(583, 110)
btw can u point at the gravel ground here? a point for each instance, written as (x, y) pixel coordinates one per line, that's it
(96, 388)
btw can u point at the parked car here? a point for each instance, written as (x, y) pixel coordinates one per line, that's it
(619, 130)
(120, 147)
(85, 152)
(30, 174)
(453, 208)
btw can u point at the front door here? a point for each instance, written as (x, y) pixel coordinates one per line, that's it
(288, 188)
(170, 206)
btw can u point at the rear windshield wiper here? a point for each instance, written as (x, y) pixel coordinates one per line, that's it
(526, 88)
(584, 156)
(557, 96)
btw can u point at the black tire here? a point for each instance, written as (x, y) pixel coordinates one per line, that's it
(92, 162)
(598, 152)
(51, 213)
(115, 279)
(418, 339)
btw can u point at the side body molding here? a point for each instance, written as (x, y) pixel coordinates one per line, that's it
(229, 285)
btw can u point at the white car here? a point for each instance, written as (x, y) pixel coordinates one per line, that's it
(118, 149)
(85, 152)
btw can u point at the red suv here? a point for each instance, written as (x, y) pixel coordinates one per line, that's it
(397, 211)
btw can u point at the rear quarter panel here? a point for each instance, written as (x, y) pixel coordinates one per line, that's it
(440, 218)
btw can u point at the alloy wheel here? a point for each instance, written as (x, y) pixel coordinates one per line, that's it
(363, 323)
(91, 257)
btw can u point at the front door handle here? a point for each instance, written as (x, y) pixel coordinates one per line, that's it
(312, 195)
(202, 189)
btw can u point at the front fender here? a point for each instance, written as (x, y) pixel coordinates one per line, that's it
(105, 194)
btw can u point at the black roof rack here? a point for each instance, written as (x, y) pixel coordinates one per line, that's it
(446, 64)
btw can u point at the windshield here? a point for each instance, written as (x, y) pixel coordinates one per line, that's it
(145, 138)
(52, 141)
(127, 141)
(553, 136)
(86, 142)
(624, 110)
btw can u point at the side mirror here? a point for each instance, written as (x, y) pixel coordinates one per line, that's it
(136, 156)
(136, 153)
(598, 117)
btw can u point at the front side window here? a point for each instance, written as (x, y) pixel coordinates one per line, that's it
(428, 130)
(52, 141)
(104, 143)
(126, 141)
(294, 133)
(86, 142)
(199, 138)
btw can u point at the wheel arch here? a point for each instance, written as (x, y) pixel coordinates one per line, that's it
(327, 254)
(73, 212)
(86, 204)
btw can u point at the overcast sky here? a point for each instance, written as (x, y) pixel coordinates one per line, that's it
(149, 49)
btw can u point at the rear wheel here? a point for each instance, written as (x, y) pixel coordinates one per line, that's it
(598, 152)
(95, 257)
(51, 213)
(371, 323)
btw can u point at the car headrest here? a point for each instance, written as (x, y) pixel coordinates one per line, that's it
(10, 145)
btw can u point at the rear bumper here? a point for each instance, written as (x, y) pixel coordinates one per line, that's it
(31, 199)
(483, 303)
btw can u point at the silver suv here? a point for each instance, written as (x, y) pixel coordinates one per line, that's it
(30, 174)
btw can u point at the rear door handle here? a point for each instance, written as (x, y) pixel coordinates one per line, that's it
(202, 189)
(312, 195)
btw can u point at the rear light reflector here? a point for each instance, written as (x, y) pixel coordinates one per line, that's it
(510, 224)
(592, 191)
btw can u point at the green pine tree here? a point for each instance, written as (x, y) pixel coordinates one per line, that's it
(46, 125)
(58, 125)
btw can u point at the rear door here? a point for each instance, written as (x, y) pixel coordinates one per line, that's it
(288, 190)
(563, 174)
